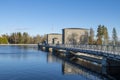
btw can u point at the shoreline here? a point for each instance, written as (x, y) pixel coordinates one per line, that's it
(16, 44)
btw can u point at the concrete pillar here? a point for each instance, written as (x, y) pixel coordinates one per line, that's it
(53, 51)
(104, 65)
(67, 53)
(114, 67)
(47, 49)
(40, 47)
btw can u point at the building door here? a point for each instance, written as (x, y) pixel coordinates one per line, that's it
(54, 40)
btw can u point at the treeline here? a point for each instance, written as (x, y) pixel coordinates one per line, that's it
(3, 40)
(21, 38)
(102, 37)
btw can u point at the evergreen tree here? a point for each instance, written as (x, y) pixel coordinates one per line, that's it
(99, 35)
(114, 36)
(25, 38)
(12, 38)
(102, 35)
(105, 33)
(20, 40)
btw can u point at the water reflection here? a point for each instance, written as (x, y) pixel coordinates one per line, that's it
(69, 68)
(52, 59)
(17, 52)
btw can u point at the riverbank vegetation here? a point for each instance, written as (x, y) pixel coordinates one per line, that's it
(101, 38)
(21, 38)
(3, 40)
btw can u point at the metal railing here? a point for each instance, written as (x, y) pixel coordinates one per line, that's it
(110, 49)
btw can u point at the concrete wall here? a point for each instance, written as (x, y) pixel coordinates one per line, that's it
(57, 38)
(79, 34)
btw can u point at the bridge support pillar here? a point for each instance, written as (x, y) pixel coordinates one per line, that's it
(53, 51)
(114, 67)
(40, 47)
(47, 49)
(67, 54)
(104, 65)
(110, 66)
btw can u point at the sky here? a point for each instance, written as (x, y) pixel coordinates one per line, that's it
(51, 16)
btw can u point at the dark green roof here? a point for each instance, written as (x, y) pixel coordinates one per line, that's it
(77, 28)
(54, 34)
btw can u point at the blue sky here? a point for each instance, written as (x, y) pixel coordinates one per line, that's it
(47, 16)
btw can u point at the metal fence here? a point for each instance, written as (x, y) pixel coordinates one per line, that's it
(109, 49)
(101, 48)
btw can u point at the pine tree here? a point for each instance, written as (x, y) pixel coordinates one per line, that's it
(19, 35)
(99, 34)
(105, 34)
(102, 35)
(114, 36)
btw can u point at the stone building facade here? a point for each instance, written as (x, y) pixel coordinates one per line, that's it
(75, 36)
(54, 38)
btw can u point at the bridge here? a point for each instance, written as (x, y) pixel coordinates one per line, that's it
(110, 55)
(100, 50)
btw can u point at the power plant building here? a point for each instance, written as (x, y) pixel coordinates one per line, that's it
(75, 36)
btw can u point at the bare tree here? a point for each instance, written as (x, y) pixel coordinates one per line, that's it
(72, 39)
(91, 36)
(84, 38)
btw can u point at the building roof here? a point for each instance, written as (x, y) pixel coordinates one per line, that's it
(54, 34)
(77, 28)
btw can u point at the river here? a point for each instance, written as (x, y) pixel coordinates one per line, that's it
(28, 63)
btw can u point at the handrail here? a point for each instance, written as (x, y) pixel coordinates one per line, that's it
(111, 49)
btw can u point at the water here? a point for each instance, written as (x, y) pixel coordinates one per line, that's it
(28, 63)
